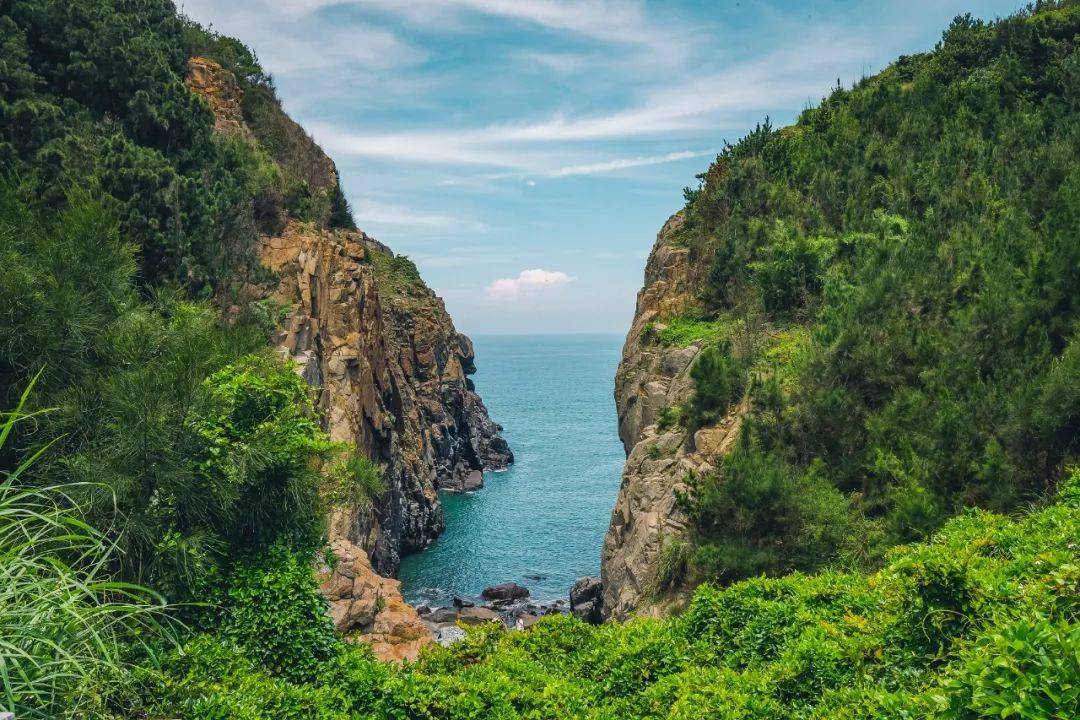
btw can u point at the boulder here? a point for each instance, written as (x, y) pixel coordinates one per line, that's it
(586, 600)
(505, 591)
(369, 608)
(442, 615)
(473, 481)
(449, 635)
(478, 616)
(526, 620)
(460, 602)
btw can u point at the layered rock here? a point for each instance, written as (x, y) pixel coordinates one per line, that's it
(389, 367)
(368, 606)
(392, 377)
(652, 377)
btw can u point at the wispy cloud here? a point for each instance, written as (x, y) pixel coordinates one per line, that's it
(617, 21)
(625, 163)
(726, 99)
(370, 212)
(526, 282)
(289, 40)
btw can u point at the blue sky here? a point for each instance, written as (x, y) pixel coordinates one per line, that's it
(524, 153)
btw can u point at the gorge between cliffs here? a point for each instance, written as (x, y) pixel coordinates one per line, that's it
(445, 360)
(393, 379)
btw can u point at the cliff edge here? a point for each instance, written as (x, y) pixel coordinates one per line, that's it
(647, 524)
(390, 368)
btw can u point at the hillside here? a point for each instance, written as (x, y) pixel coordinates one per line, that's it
(860, 324)
(221, 361)
(850, 400)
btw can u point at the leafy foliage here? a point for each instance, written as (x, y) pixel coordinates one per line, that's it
(66, 628)
(917, 234)
(272, 610)
(979, 621)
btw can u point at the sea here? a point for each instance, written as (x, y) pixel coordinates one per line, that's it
(541, 523)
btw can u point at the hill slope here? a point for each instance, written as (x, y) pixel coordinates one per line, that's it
(162, 220)
(885, 297)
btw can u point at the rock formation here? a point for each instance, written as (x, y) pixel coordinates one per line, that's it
(650, 378)
(368, 606)
(390, 371)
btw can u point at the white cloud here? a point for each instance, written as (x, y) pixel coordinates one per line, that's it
(371, 211)
(526, 282)
(621, 21)
(730, 98)
(290, 41)
(559, 62)
(625, 163)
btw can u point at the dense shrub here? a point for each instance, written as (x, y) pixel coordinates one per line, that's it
(919, 231)
(719, 380)
(979, 621)
(761, 515)
(66, 628)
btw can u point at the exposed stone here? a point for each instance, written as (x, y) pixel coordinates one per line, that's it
(505, 591)
(651, 378)
(390, 372)
(442, 615)
(478, 615)
(586, 600)
(369, 608)
(449, 635)
(525, 621)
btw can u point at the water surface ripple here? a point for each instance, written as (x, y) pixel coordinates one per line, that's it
(541, 523)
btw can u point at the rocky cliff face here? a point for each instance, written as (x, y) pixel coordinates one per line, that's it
(647, 521)
(391, 372)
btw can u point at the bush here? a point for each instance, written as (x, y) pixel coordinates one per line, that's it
(259, 449)
(355, 481)
(760, 515)
(66, 629)
(719, 380)
(273, 610)
(917, 232)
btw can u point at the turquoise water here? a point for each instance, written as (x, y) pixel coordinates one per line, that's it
(546, 516)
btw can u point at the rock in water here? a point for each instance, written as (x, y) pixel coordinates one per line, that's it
(586, 600)
(478, 616)
(442, 615)
(505, 591)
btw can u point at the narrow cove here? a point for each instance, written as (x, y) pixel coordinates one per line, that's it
(541, 523)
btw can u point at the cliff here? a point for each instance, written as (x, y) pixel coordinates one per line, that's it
(390, 368)
(647, 522)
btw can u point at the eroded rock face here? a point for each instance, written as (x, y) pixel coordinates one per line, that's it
(368, 607)
(650, 378)
(587, 600)
(391, 370)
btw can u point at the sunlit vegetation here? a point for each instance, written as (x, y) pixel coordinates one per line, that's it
(894, 293)
(904, 261)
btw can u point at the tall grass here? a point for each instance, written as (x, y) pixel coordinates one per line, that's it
(65, 627)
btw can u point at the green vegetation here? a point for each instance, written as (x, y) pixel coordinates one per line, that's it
(356, 480)
(66, 628)
(979, 621)
(904, 269)
(894, 289)
(685, 331)
(398, 275)
(719, 380)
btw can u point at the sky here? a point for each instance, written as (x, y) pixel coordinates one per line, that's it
(524, 153)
